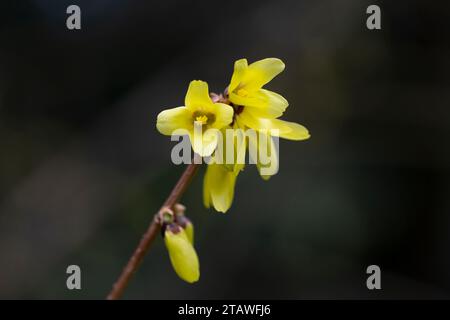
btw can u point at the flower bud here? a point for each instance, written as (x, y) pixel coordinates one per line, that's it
(182, 254)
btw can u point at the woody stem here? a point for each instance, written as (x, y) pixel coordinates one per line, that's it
(150, 235)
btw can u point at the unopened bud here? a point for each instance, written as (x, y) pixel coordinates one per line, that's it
(182, 254)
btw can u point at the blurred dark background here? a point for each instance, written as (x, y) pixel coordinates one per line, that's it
(83, 169)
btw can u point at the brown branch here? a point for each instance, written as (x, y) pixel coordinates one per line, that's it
(152, 231)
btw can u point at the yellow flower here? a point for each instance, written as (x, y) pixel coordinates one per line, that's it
(258, 108)
(199, 114)
(182, 254)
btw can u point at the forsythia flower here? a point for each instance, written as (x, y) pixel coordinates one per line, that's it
(255, 108)
(259, 108)
(198, 110)
(182, 253)
(244, 105)
(249, 107)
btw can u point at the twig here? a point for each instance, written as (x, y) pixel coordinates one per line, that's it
(152, 231)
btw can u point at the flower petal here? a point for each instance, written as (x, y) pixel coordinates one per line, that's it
(286, 130)
(247, 119)
(197, 96)
(204, 143)
(240, 148)
(173, 119)
(255, 99)
(291, 130)
(218, 187)
(224, 115)
(263, 152)
(239, 69)
(261, 72)
(271, 105)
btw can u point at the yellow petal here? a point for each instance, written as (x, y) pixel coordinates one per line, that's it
(256, 123)
(291, 130)
(240, 148)
(239, 69)
(204, 143)
(264, 146)
(277, 104)
(261, 72)
(255, 99)
(173, 119)
(218, 187)
(224, 115)
(264, 104)
(286, 130)
(182, 255)
(197, 96)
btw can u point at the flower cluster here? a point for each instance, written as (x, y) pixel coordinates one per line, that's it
(244, 104)
(247, 105)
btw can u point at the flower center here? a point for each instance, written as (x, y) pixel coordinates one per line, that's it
(242, 92)
(202, 119)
